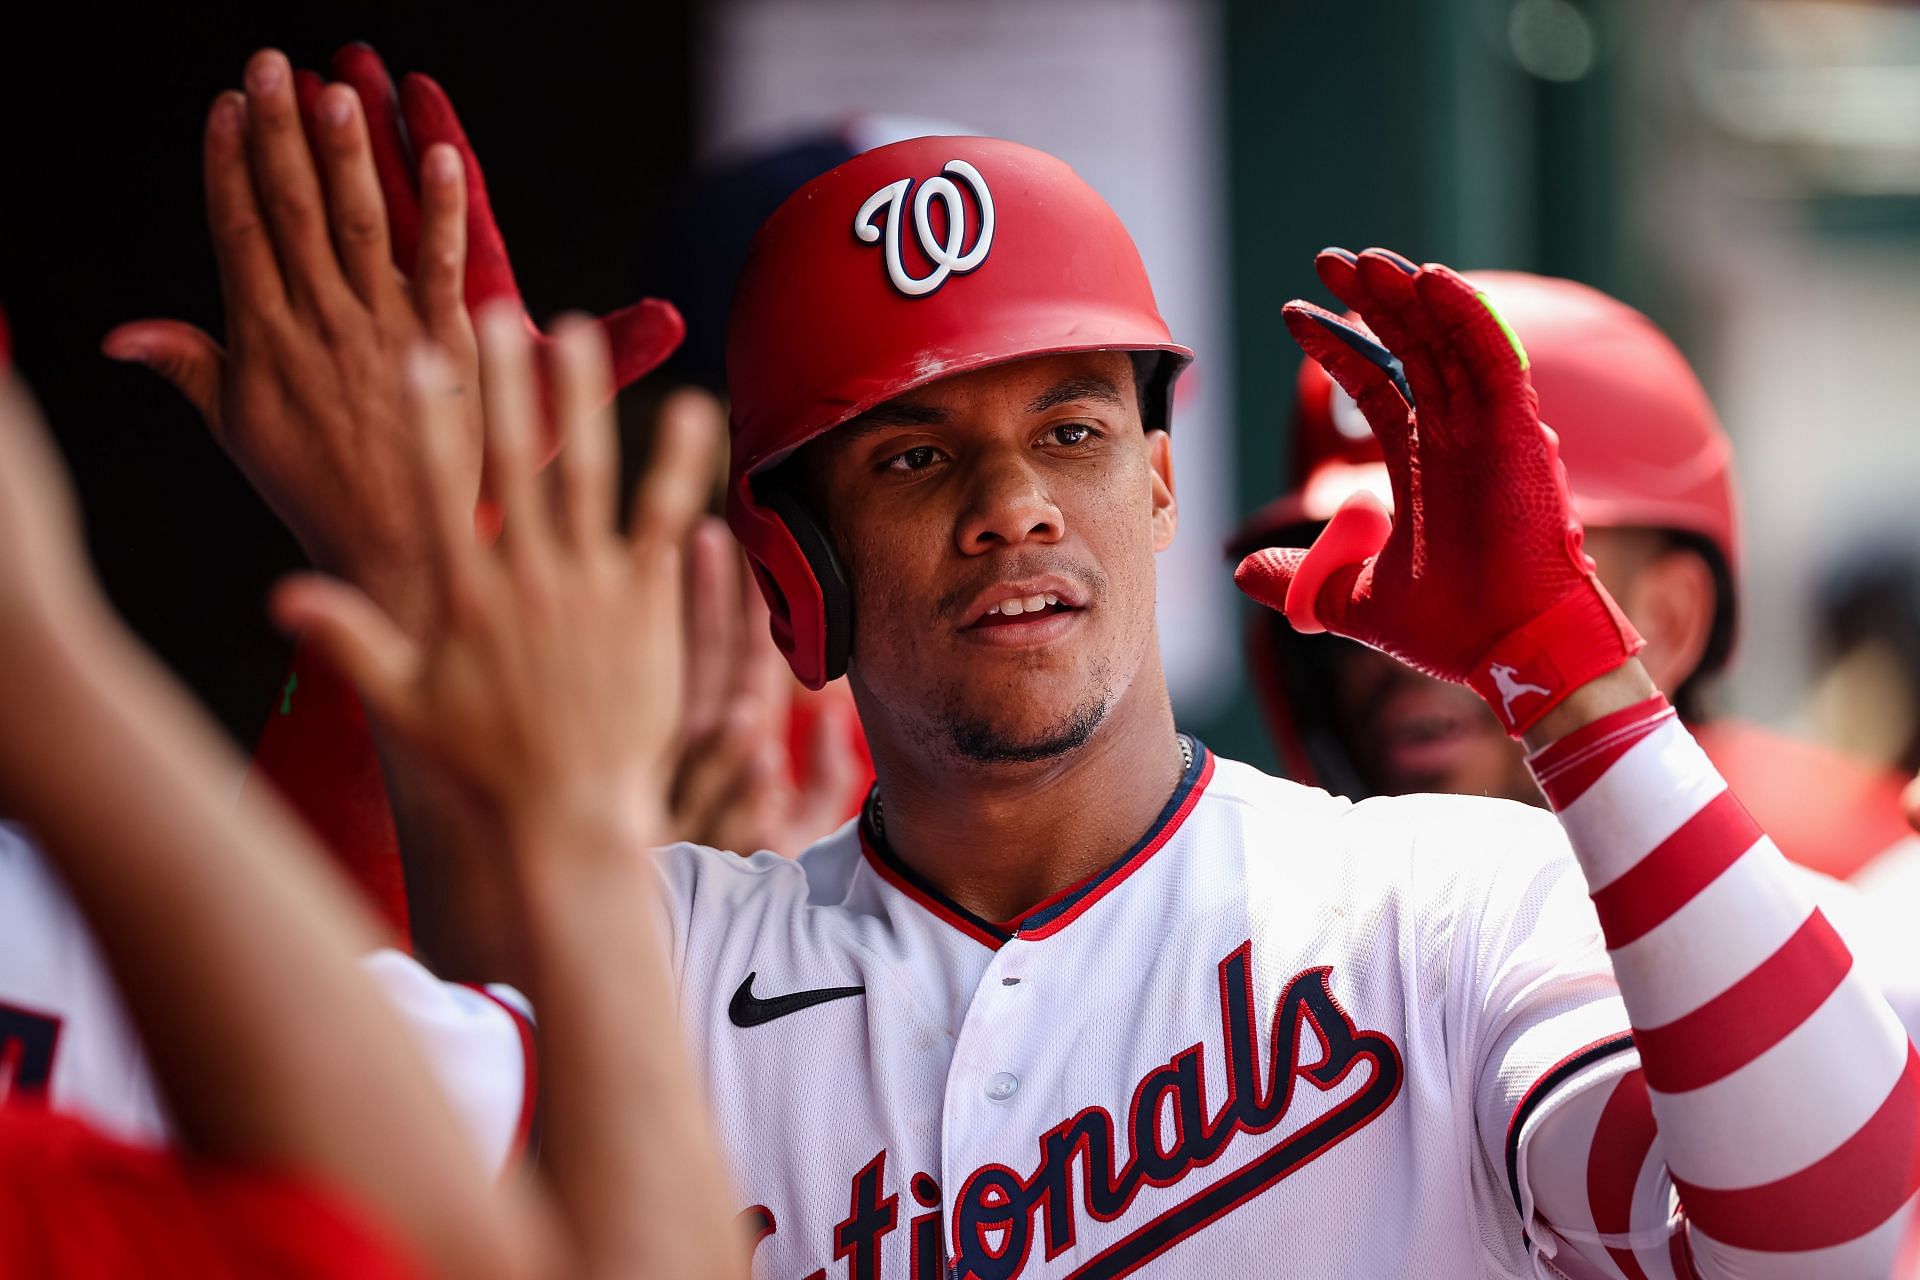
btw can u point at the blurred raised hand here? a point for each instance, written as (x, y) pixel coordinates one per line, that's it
(349, 221)
(230, 948)
(547, 684)
(547, 677)
(743, 781)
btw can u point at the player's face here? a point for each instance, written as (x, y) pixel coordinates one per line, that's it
(999, 529)
(1407, 732)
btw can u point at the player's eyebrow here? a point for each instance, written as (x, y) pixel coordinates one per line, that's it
(1082, 389)
(894, 413)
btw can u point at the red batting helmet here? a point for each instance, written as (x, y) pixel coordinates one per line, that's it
(907, 264)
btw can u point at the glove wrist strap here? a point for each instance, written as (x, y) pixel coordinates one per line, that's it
(1533, 669)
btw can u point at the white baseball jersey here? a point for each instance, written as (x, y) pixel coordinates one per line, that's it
(64, 1030)
(1283, 1035)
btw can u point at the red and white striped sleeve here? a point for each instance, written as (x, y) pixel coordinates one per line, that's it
(1772, 1127)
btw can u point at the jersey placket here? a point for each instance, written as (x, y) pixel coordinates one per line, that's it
(1002, 1090)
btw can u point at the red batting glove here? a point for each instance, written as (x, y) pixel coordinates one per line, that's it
(1479, 576)
(402, 125)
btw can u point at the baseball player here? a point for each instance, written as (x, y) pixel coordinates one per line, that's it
(1073, 996)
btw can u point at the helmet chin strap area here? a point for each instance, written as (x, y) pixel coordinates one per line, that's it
(836, 596)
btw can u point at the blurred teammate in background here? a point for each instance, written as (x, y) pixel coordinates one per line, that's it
(1651, 476)
(1652, 479)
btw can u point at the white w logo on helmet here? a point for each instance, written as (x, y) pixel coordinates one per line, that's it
(946, 257)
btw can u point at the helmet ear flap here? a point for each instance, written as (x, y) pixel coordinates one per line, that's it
(1153, 375)
(836, 597)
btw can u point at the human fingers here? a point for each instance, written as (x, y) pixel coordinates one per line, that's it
(674, 487)
(1339, 269)
(355, 208)
(509, 399)
(589, 461)
(1365, 370)
(289, 189)
(764, 673)
(831, 771)
(1370, 369)
(1377, 296)
(359, 66)
(712, 587)
(755, 808)
(1371, 375)
(439, 281)
(307, 86)
(715, 772)
(178, 352)
(348, 629)
(250, 279)
(1394, 312)
(434, 399)
(639, 337)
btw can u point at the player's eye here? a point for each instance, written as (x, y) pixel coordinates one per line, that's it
(1071, 433)
(918, 458)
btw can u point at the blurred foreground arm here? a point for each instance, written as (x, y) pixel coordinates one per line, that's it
(547, 688)
(233, 947)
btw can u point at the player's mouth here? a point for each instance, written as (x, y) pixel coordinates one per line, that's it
(1023, 613)
(1423, 733)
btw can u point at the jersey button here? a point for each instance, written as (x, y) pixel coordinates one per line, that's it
(1002, 1085)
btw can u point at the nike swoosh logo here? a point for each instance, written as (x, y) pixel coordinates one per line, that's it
(748, 1010)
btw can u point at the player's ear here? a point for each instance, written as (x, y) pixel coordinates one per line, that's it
(1166, 512)
(1671, 601)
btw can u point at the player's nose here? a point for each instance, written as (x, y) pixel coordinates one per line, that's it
(1007, 505)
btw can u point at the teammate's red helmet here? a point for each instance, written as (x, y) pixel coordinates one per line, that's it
(907, 264)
